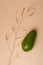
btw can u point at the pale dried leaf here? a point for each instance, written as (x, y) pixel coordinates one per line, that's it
(16, 17)
(22, 12)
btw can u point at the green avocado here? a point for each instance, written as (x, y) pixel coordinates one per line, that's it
(29, 40)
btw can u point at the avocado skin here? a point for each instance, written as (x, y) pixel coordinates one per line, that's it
(29, 40)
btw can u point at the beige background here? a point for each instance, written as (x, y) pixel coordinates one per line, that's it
(7, 21)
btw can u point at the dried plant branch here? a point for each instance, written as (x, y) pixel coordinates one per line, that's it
(9, 63)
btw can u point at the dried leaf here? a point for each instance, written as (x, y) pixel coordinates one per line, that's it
(6, 37)
(31, 14)
(16, 17)
(22, 12)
